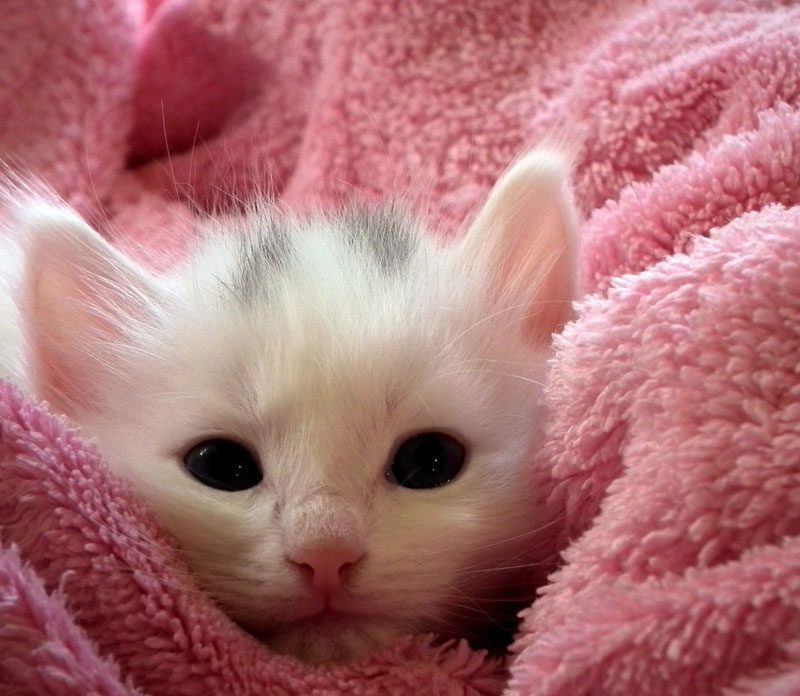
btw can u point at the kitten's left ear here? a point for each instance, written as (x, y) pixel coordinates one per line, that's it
(83, 303)
(526, 234)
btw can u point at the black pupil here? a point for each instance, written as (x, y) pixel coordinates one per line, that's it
(427, 460)
(224, 465)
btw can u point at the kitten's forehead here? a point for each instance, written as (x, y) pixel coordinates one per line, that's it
(337, 330)
(333, 318)
(271, 246)
(329, 322)
(355, 296)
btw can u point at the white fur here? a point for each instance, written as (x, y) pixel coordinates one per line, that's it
(322, 377)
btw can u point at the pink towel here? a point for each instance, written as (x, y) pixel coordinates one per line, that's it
(671, 469)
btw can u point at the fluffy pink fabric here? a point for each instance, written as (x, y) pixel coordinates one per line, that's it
(672, 464)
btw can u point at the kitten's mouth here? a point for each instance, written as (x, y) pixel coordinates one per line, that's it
(328, 617)
(325, 617)
(331, 636)
(320, 614)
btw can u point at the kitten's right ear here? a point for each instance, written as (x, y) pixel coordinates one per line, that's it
(82, 303)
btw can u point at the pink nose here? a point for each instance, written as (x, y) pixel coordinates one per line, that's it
(325, 563)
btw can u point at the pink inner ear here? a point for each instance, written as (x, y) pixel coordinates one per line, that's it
(58, 339)
(538, 271)
(528, 227)
(78, 316)
(80, 296)
(56, 385)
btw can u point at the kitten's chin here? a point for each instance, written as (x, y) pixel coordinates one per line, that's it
(332, 638)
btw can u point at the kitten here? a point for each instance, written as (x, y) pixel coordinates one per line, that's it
(333, 416)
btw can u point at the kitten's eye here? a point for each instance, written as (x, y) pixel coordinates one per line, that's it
(427, 460)
(224, 465)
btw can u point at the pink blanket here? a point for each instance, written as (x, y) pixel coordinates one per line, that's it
(672, 463)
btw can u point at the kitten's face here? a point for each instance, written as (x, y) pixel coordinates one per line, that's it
(322, 375)
(322, 351)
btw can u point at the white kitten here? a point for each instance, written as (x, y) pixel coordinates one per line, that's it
(334, 417)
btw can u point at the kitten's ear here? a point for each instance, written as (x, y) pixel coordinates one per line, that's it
(526, 234)
(83, 301)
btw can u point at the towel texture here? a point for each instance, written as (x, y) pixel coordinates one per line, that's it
(671, 467)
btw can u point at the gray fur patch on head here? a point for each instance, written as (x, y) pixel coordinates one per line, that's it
(264, 252)
(387, 233)
(383, 236)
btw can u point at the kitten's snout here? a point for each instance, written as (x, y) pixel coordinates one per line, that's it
(324, 539)
(326, 564)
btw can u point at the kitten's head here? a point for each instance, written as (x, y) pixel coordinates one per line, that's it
(335, 416)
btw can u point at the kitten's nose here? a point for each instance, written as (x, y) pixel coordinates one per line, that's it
(325, 563)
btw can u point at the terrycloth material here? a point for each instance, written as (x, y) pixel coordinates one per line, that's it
(671, 469)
